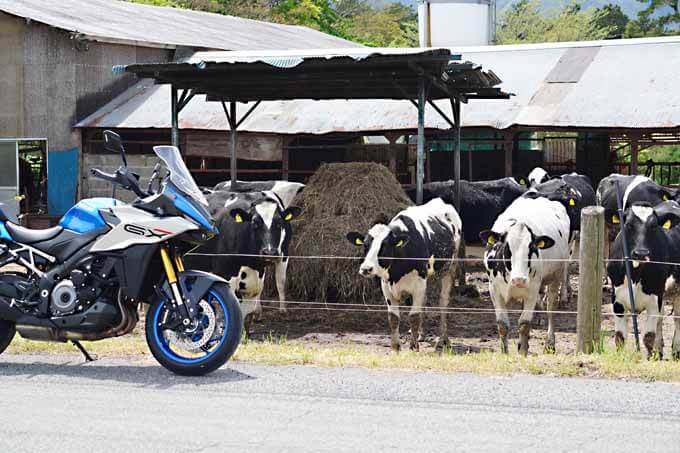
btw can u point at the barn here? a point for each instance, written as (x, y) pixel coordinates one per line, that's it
(589, 107)
(55, 70)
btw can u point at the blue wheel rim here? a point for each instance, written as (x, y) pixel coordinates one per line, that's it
(163, 345)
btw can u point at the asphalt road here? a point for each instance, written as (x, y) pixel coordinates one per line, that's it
(57, 403)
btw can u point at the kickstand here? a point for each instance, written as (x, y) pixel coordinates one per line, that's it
(88, 357)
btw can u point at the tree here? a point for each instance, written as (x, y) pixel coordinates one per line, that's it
(612, 18)
(394, 25)
(522, 22)
(659, 18)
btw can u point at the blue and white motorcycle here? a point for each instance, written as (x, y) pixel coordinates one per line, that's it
(84, 279)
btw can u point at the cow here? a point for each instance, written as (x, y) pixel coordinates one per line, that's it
(537, 176)
(405, 253)
(575, 192)
(284, 190)
(481, 201)
(633, 189)
(653, 239)
(254, 228)
(527, 249)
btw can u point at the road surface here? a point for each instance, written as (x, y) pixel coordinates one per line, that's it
(57, 403)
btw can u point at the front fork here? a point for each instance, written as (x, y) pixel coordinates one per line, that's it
(171, 274)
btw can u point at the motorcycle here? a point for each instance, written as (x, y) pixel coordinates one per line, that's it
(84, 278)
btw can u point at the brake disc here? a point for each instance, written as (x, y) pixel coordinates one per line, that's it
(186, 341)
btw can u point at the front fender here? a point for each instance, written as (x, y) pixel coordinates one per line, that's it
(195, 284)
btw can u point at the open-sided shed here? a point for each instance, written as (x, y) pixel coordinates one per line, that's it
(420, 76)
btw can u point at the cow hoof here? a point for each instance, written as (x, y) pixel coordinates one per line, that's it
(442, 344)
(619, 341)
(649, 343)
(414, 346)
(396, 347)
(676, 355)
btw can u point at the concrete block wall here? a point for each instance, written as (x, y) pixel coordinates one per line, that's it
(141, 164)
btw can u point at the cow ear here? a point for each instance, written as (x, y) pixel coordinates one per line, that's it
(239, 215)
(616, 219)
(355, 238)
(665, 196)
(488, 237)
(291, 213)
(544, 242)
(522, 181)
(669, 221)
(400, 240)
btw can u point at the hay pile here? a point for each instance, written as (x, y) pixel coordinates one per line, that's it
(339, 198)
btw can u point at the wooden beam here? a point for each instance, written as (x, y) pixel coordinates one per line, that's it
(508, 147)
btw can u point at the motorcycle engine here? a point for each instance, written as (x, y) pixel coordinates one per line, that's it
(64, 298)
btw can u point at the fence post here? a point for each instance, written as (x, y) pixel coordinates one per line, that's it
(591, 254)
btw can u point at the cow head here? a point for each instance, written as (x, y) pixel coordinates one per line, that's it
(644, 227)
(513, 250)
(565, 194)
(380, 244)
(269, 225)
(537, 176)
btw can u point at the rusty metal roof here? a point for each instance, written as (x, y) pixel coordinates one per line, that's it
(355, 73)
(610, 84)
(153, 26)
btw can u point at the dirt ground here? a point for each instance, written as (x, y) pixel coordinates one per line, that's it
(468, 331)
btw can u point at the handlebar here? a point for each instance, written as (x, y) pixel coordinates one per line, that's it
(123, 178)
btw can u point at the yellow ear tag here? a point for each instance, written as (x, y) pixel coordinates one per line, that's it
(288, 217)
(572, 202)
(522, 182)
(491, 240)
(238, 218)
(400, 243)
(667, 224)
(615, 219)
(665, 197)
(358, 241)
(541, 244)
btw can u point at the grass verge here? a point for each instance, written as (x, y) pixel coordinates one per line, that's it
(278, 351)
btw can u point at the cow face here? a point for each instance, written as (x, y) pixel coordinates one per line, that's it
(380, 244)
(644, 227)
(269, 225)
(563, 193)
(515, 249)
(537, 176)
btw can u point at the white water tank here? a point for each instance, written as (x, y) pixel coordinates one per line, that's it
(448, 23)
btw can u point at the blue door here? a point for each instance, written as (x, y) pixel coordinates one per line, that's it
(62, 180)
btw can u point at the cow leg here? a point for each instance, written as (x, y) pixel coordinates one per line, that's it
(651, 322)
(676, 331)
(249, 308)
(552, 296)
(502, 319)
(444, 296)
(620, 324)
(280, 269)
(658, 343)
(393, 320)
(459, 271)
(525, 322)
(416, 314)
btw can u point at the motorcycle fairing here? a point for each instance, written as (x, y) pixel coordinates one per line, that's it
(84, 216)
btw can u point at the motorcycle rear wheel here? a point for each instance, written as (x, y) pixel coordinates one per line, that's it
(220, 327)
(7, 331)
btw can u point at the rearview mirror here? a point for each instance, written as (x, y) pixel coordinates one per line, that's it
(113, 143)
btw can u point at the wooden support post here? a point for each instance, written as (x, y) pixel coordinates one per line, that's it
(634, 154)
(285, 161)
(508, 147)
(234, 139)
(591, 255)
(174, 120)
(420, 157)
(455, 107)
(391, 151)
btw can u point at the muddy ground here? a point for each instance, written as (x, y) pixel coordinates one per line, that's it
(468, 331)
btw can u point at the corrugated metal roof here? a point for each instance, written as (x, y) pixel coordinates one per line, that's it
(119, 21)
(628, 84)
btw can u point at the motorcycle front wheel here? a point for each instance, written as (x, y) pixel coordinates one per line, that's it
(204, 346)
(7, 331)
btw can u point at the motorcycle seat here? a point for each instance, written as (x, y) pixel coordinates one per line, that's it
(29, 236)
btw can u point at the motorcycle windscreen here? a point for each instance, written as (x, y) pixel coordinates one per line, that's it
(179, 173)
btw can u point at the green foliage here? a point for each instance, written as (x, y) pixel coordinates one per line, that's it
(612, 18)
(392, 26)
(659, 18)
(524, 22)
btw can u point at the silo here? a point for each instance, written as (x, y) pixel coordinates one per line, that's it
(446, 23)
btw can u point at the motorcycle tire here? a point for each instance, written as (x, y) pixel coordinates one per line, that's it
(7, 331)
(221, 299)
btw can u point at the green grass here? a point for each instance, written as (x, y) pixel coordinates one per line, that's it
(275, 350)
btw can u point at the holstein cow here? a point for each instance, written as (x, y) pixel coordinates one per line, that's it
(634, 189)
(525, 251)
(417, 243)
(652, 239)
(481, 201)
(254, 223)
(284, 190)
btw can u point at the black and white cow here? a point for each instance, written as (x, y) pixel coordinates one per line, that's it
(526, 249)
(652, 238)
(417, 243)
(633, 189)
(254, 228)
(481, 201)
(284, 190)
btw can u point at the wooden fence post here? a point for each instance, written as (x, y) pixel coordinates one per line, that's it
(591, 254)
